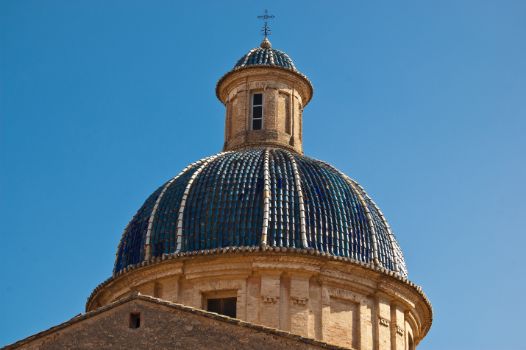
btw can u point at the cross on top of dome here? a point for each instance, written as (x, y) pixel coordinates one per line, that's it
(266, 29)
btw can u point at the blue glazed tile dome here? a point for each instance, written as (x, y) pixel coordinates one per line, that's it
(261, 197)
(265, 55)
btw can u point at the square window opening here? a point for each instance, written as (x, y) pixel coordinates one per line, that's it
(135, 320)
(222, 306)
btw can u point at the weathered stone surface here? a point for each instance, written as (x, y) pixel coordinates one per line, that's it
(318, 297)
(285, 94)
(163, 325)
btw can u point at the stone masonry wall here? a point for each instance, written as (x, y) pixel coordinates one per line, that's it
(339, 304)
(283, 103)
(163, 327)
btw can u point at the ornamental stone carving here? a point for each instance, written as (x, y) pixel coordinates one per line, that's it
(299, 301)
(384, 322)
(269, 299)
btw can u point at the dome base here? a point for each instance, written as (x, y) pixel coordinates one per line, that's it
(332, 299)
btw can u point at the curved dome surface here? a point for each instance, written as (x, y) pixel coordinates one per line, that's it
(260, 197)
(266, 56)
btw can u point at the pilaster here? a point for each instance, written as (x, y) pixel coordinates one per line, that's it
(270, 291)
(397, 327)
(383, 316)
(253, 299)
(315, 309)
(299, 304)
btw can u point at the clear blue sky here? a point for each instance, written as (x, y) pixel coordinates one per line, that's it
(423, 102)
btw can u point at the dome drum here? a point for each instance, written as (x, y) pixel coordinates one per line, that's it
(302, 291)
(263, 77)
(283, 98)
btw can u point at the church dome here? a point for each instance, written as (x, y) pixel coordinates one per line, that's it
(265, 55)
(264, 234)
(261, 198)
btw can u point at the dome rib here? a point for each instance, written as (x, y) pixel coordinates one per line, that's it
(147, 247)
(266, 56)
(319, 198)
(260, 197)
(225, 205)
(182, 206)
(301, 203)
(129, 251)
(335, 193)
(370, 222)
(285, 225)
(398, 261)
(266, 198)
(368, 214)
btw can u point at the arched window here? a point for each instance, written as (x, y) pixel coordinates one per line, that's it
(257, 111)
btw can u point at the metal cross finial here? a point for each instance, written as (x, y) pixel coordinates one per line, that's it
(266, 29)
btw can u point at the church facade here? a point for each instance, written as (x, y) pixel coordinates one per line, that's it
(256, 247)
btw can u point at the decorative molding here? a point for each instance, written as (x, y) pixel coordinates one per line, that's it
(262, 85)
(420, 318)
(267, 299)
(399, 331)
(346, 294)
(299, 301)
(232, 78)
(384, 321)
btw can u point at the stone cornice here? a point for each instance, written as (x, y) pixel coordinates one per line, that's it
(255, 69)
(265, 144)
(305, 257)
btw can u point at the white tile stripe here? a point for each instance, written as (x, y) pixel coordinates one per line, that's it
(182, 206)
(266, 198)
(297, 180)
(374, 241)
(147, 245)
(363, 197)
(399, 264)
